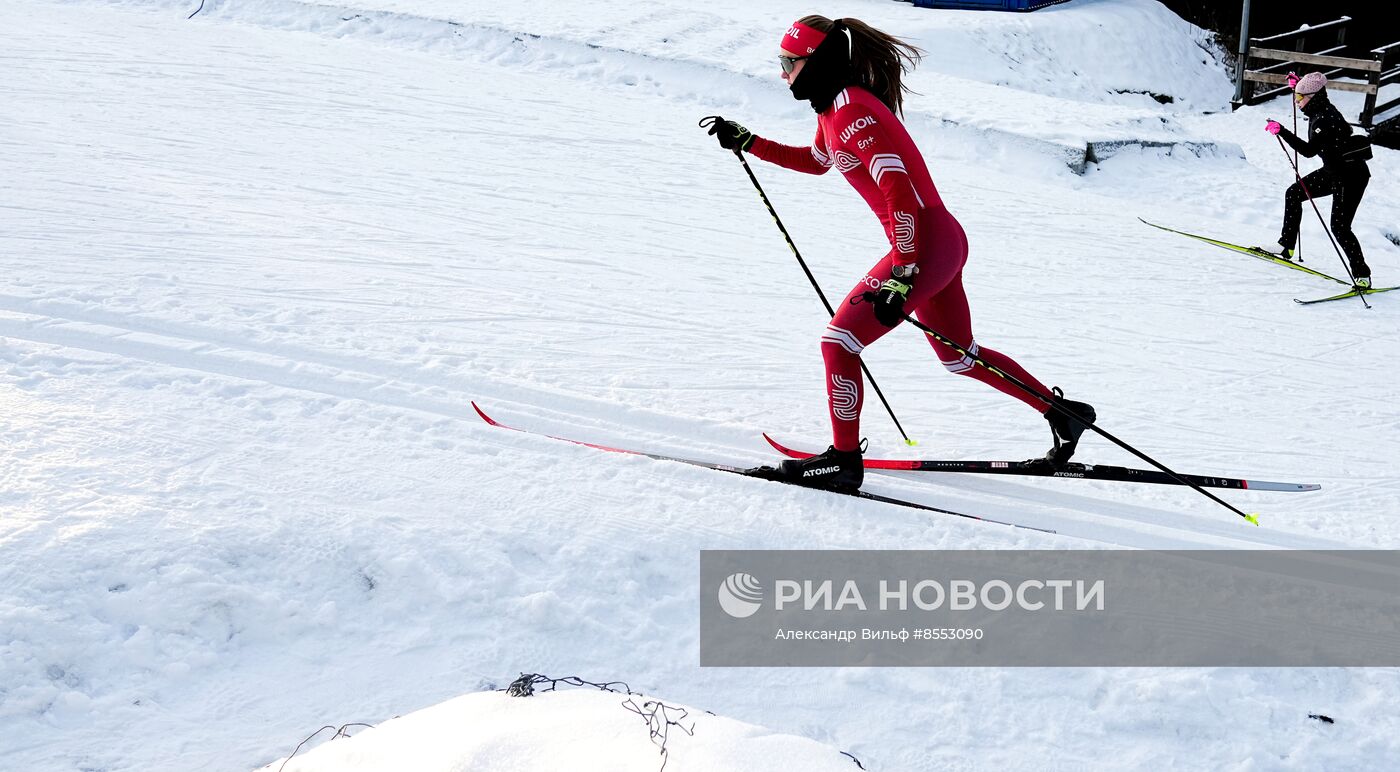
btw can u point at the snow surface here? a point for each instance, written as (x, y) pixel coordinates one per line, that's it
(254, 265)
(584, 731)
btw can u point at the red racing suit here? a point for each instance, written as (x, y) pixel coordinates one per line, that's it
(863, 139)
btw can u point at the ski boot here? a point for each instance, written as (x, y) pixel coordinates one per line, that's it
(1283, 253)
(1361, 274)
(1065, 430)
(839, 470)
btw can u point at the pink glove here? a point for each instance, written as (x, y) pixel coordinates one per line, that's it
(1292, 80)
(1273, 127)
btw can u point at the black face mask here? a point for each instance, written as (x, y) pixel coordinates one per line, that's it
(827, 71)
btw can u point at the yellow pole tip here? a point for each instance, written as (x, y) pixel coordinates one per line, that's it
(1253, 518)
(911, 443)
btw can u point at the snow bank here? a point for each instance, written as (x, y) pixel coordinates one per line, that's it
(1102, 51)
(581, 730)
(1000, 86)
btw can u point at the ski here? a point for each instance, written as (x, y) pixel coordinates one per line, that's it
(859, 494)
(1351, 293)
(1038, 468)
(1252, 252)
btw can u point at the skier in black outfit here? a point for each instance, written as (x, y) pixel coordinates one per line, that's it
(1344, 174)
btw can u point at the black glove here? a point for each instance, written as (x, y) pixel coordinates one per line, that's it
(889, 301)
(731, 135)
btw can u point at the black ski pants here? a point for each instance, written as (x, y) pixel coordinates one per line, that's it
(1346, 187)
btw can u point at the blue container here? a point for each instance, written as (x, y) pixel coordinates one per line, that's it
(987, 5)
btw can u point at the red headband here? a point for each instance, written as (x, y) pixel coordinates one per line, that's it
(802, 40)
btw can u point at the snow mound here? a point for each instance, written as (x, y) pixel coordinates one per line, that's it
(579, 730)
(1103, 51)
(1072, 84)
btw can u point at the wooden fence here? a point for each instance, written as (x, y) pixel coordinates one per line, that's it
(1288, 52)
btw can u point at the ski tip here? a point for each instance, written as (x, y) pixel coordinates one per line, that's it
(1253, 518)
(785, 450)
(488, 419)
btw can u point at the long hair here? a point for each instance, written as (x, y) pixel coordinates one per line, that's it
(878, 60)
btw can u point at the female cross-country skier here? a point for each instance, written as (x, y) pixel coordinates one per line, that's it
(850, 72)
(1344, 174)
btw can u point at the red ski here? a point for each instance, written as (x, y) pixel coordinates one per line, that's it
(750, 473)
(1039, 468)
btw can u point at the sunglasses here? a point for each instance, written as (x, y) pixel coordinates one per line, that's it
(789, 62)
(1300, 98)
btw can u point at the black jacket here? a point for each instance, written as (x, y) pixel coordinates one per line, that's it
(1330, 136)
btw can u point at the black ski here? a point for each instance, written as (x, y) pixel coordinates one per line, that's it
(1039, 468)
(859, 494)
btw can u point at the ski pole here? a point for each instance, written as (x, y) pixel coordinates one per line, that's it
(709, 121)
(1345, 263)
(869, 297)
(1299, 252)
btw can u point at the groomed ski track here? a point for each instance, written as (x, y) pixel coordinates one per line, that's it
(253, 269)
(1196, 524)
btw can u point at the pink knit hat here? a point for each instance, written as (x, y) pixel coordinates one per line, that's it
(1311, 83)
